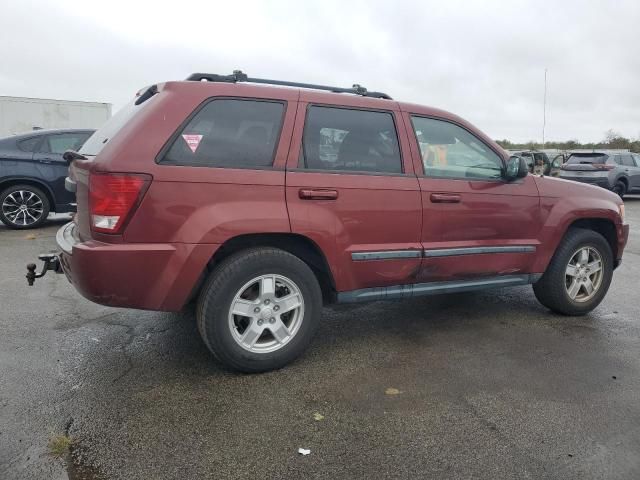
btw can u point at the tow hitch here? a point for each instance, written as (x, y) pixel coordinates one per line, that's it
(51, 262)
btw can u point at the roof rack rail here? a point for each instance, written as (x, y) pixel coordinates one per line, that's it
(239, 76)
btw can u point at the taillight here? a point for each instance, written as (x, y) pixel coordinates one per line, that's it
(603, 166)
(112, 199)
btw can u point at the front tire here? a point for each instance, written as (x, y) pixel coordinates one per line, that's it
(23, 207)
(259, 309)
(579, 274)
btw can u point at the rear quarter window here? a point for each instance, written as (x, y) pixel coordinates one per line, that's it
(232, 133)
(29, 144)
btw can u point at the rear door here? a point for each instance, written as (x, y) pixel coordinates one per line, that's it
(475, 224)
(16, 157)
(50, 165)
(351, 188)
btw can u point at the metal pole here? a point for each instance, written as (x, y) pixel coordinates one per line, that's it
(544, 107)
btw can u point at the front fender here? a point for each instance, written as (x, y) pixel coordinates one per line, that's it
(563, 203)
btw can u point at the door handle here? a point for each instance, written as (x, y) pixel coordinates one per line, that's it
(317, 194)
(445, 198)
(46, 160)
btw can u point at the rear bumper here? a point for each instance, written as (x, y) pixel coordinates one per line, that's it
(158, 276)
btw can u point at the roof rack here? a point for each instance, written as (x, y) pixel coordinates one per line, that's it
(239, 76)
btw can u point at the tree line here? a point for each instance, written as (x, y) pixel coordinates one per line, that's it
(612, 140)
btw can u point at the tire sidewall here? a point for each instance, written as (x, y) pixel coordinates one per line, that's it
(45, 206)
(215, 302)
(620, 188)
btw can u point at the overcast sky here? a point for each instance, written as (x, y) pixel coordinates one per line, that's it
(482, 60)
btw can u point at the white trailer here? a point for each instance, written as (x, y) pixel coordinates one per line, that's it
(23, 114)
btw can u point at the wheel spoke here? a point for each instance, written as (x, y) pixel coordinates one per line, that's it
(572, 270)
(244, 308)
(574, 288)
(595, 266)
(12, 198)
(584, 255)
(267, 286)
(29, 213)
(251, 334)
(280, 331)
(288, 303)
(588, 286)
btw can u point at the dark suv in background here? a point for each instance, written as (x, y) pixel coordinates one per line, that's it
(618, 172)
(32, 173)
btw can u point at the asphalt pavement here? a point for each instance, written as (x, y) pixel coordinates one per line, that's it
(479, 385)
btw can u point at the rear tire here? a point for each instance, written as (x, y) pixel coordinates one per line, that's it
(573, 272)
(265, 285)
(23, 207)
(620, 188)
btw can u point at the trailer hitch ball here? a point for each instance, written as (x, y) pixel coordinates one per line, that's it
(31, 273)
(51, 262)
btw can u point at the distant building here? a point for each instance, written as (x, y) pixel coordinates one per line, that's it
(23, 114)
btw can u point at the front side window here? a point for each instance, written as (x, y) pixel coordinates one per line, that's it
(229, 133)
(450, 151)
(352, 140)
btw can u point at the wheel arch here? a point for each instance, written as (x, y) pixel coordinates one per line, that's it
(603, 226)
(299, 245)
(624, 179)
(11, 181)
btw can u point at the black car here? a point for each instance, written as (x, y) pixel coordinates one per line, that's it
(32, 173)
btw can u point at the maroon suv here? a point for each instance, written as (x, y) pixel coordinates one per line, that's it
(265, 200)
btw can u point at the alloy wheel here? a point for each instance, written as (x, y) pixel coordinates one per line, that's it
(22, 208)
(583, 275)
(266, 313)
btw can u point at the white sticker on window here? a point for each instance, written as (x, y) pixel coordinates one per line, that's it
(193, 141)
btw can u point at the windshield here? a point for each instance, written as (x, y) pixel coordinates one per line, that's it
(576, 158)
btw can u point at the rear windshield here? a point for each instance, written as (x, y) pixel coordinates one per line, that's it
(106, 132)
(577, 158)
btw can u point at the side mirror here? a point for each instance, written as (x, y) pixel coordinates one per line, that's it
(516, 168)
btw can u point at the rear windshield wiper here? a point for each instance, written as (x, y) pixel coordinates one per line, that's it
(148, 93)
(71, 155)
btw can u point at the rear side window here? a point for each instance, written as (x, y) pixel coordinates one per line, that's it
(353, 140)
(62, 142)
(229, 133)
(29, 145)
(628, 160)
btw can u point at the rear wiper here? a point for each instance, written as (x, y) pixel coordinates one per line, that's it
(71, 155)
(148, 93)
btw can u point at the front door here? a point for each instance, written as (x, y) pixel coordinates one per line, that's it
(351, 189)
(475, 224)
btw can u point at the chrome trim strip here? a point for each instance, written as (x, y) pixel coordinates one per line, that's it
(452, 252)
(386, 255)
(433, 288)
